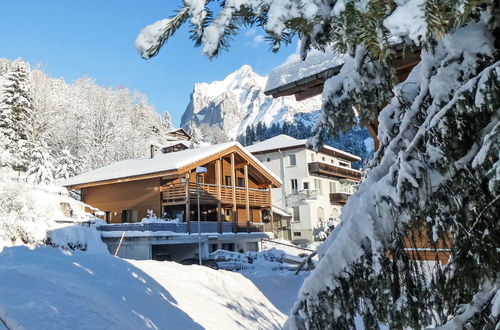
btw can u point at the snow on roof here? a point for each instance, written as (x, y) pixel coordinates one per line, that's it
(283, 141)
(281, 212)
(296, 69)
(160, 163)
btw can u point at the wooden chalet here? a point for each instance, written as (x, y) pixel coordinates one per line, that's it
(235, 188)
(178, 135)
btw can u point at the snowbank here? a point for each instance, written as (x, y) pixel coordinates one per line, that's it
(48, 288)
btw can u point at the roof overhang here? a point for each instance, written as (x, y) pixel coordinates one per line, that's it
(405, 58)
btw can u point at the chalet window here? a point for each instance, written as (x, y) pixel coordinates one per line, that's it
(129, 216)
(268, 159)
(227, 246)
(323, 158)
(228, 180)
(296, 213)
(213, 247)
(295, 186)
(332, 187)
(227, 213)
(241, 182)
(107, 216)
(343, 164)
(317, 186)
(331, 160)
(297, 233)
(306, 185)
(292, 160)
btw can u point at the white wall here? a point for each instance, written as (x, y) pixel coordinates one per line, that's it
(278, 163)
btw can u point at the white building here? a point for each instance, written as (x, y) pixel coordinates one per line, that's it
(315, 184)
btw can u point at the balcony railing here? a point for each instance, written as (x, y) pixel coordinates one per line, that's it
(302, 195)
(176, 194)
(339, 198)
(182, 227)
(334, 170)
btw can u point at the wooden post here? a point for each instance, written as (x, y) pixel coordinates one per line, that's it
(188, 206)
(270, 206)
(219, 196)
(247, 198)
(233, 183)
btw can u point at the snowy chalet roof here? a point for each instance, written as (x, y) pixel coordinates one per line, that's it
(283, 142)
(159, 164)
(305, 79)
(298, 76)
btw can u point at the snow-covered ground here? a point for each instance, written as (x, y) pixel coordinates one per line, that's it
(44, 287)
(50, 288)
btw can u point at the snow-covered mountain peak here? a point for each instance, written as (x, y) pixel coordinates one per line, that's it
(239, 101)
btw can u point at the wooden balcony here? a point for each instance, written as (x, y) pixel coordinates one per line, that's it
(178, 194)
(339, 198)
(334, 171)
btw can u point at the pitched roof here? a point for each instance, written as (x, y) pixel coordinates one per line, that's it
(283, 141)
(159, 164)
(318, 64)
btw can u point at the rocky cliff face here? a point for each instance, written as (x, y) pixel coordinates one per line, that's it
(238, 101)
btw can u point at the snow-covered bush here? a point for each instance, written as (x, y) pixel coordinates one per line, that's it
(26, 211)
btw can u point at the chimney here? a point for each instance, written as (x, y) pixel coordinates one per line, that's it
(152, 150)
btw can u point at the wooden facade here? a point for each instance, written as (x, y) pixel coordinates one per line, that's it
(235, 188)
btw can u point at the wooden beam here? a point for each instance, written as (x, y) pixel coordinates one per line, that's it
(373, 130)
(188, 206)
(218, 175)
(233, 184)
(308, 93)
(247, 198)
(270, 205)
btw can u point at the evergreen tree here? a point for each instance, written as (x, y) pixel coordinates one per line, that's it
(260, 131)
(249, 135)
(67, 165)
(16, 107)
(437, 167)
(167, 123)
(40, 167)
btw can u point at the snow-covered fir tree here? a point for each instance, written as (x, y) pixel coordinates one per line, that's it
(67, 165)
(41, 167)
(437, 168)
(16, 108)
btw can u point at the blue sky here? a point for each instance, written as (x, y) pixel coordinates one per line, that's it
(95, 38)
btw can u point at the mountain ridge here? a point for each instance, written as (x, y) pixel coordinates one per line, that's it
(238, 101)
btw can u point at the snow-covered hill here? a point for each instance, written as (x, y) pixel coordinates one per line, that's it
(239, 101)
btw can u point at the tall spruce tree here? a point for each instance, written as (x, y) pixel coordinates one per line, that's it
(16, 108)
(437, 168)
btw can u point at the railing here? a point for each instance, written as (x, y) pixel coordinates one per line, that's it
(334, 170)
(182, 227)
(302, 196)
(176, 193)
(339, 198)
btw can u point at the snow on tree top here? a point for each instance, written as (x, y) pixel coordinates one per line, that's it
(284, 141)
(296, 69)
(160, 163)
